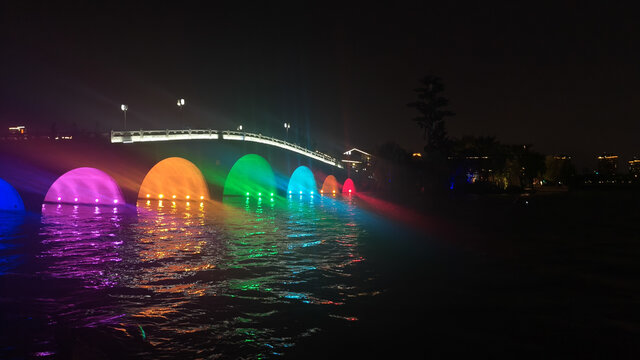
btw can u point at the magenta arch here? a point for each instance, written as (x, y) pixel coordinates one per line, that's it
(85, 185)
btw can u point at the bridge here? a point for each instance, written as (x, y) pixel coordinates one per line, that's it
(137, 136)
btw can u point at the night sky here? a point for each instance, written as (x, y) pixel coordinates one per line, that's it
(564, 78)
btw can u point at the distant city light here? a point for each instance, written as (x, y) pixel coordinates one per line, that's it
(17, 129)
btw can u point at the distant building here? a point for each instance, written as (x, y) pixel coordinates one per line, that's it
(357, 160)
(559, 169)
(607, 165)
(17, 130)
(634, 167)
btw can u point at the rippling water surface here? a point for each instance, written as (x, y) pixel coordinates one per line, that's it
(244, 278)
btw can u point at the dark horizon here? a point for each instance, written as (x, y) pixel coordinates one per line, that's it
(560, 78)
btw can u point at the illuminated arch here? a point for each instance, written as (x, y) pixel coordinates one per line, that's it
(85, 185)
(174, 178)
(10, 200)
(330, 185)
(252, 175)
(348, 187)
(302, 181)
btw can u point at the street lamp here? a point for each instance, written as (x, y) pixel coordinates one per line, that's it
(124, 108)
(286, 127)
(240, 128)
(180, 105)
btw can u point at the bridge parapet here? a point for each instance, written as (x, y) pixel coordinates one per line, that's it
(135, 136)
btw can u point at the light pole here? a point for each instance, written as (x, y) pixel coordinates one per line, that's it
(240, 128)
(286, 127)
(124, 109)
(180, 105)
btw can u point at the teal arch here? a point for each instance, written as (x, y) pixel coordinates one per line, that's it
(10, 200)
(252, 175)
(302, 182)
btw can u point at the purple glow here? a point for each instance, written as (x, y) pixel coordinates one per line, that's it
(85, 186)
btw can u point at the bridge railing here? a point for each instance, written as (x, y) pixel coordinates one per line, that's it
(132, 136)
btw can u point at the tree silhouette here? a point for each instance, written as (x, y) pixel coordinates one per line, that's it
(431, 106)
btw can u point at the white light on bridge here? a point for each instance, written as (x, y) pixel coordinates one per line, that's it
(208, 134)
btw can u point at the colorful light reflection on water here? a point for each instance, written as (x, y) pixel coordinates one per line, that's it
(197, 279)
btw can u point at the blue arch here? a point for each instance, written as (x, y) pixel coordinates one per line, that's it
(302, 181)
(10, 200)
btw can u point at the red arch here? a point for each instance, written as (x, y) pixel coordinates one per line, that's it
(348, 187)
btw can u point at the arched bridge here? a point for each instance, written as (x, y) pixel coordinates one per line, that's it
(136, 136)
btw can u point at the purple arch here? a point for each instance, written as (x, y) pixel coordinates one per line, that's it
(85, 185)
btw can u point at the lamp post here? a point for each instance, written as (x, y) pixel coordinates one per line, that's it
(124, 109)
(180, 105)
(286, 127)
(240, 128)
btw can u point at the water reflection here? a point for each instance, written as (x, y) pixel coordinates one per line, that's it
(201, 279)
(288, 257)
(173, 247)
(10, 236)
(81, 242)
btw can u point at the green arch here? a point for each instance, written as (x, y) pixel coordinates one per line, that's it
(251, 174)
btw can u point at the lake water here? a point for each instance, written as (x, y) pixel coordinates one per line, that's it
(245, 278)
(320, 278)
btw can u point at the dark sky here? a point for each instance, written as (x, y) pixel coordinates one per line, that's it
(564, 78)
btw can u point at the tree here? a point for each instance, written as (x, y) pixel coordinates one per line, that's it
(431, 106)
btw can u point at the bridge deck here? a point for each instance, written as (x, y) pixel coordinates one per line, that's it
(135, 136)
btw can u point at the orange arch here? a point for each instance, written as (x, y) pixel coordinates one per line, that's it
(330, 185)
(174, 178)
